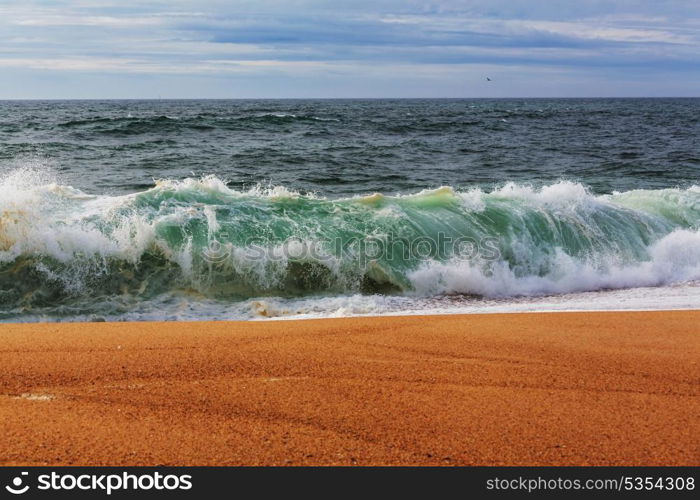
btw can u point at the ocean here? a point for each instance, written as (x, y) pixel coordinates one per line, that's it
(255, 209)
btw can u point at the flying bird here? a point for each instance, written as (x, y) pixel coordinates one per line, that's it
(488, 79)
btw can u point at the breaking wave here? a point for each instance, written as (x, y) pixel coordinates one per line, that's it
(62, 248)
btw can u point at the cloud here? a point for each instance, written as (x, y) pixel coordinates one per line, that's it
(588, 42)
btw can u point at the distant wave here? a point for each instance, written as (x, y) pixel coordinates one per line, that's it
(135, 125)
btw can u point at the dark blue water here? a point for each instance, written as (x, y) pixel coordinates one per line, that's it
(344, 147)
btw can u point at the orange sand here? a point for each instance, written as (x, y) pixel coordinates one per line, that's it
(513, 389)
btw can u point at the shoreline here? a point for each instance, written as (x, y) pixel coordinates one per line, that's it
(516, 388)
(390, 314)
(424, 314)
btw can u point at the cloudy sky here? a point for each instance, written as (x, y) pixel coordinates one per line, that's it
(359, 48)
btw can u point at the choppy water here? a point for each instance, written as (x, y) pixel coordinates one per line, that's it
(247, 209)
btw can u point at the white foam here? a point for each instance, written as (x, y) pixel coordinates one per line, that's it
(681, 296)
(674, 258)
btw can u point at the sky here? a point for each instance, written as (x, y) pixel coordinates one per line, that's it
(334, 49)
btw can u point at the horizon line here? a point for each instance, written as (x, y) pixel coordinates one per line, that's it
(323, 98)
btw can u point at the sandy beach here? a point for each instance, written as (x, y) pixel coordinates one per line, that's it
(608, 388)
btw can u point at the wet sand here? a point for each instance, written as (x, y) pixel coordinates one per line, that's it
(609, 388)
